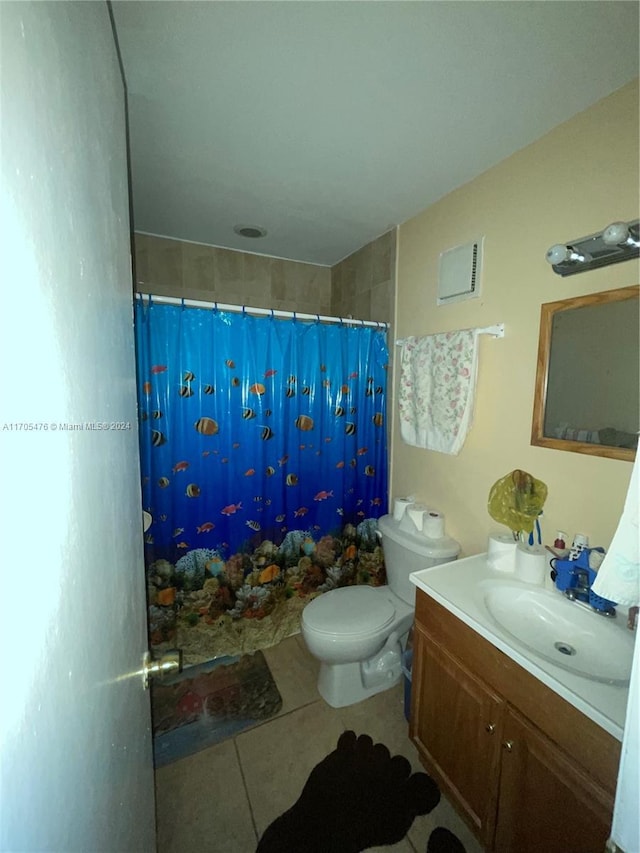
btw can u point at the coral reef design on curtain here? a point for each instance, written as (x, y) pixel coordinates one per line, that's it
(264, 467)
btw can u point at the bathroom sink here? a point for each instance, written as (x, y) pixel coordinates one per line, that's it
(561, 631)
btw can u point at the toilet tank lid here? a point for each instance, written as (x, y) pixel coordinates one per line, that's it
(435, 549)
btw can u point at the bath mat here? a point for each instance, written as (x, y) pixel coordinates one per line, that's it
(210, 702)
(355, 798)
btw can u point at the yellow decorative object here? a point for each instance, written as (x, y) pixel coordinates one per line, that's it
(517, 500)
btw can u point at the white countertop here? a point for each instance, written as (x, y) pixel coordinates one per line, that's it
(457, 587)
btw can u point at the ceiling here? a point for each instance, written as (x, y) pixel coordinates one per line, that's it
(329, 122)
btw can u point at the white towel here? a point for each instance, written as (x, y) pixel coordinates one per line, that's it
(618, 577)
(437, 389)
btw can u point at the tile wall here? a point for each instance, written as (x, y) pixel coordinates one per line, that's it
(195, 271)
(361, 286)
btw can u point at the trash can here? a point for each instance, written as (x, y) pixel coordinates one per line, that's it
(407, 662)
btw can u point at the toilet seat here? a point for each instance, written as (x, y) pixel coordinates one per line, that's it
(349, 611)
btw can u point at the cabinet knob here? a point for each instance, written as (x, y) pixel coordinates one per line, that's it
(490, 727)
(508, 745)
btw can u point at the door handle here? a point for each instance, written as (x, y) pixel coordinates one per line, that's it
(508, 745)
(170, 663)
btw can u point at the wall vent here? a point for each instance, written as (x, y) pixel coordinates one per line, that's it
(459, 273)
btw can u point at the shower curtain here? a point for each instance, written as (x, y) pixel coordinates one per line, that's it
(264, 466)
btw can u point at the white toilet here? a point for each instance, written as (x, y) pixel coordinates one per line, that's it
(356, 631)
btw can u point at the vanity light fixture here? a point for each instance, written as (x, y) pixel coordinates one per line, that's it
(620, 241)
(560, 254)
(619, 234)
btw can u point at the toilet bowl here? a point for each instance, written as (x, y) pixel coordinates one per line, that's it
(357, 632)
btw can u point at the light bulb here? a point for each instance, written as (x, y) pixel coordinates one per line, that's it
(559, 254)
(617, 234)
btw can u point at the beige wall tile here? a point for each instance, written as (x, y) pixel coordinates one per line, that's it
(198, 268)
(229, 270)
(383, 258)
(141, 254)
(164, 266)
(381, 302)
(278, 281)
(362, 306)
(364, 261)
(257, 280)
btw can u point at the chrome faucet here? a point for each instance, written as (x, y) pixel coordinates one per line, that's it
(580, 594)
(581, 590)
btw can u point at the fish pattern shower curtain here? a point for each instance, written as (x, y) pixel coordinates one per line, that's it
(264, 466)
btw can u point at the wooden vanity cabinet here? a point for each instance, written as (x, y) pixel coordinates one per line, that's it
(527, 770)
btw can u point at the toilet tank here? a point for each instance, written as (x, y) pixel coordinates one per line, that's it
(406, 552)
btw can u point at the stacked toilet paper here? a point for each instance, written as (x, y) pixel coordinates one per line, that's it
(530, 563)
(433, 524)
(400, 506)
(419, 518)
(501, 554)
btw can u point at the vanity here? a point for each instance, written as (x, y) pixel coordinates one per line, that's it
(525, 745)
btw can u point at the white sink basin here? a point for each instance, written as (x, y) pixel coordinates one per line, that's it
(561, 631)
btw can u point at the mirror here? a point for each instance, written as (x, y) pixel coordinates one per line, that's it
(588, 375)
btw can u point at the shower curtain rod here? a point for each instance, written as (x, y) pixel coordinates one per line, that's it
(496, 331)
(269, 312)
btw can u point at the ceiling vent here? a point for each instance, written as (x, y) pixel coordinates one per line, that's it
(459, 273)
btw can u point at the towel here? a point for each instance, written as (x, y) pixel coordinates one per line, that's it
(618, 577)
(437, 389)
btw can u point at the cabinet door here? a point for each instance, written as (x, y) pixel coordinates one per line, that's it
(456, 725)
(545, 801)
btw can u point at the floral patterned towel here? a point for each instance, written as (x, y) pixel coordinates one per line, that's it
(437, 387)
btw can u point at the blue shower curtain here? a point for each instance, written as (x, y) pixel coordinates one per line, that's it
(264, 464)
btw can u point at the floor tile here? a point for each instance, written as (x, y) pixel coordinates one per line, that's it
(382, 718)
(233, 791)
(443, 815)
(276, 758)
(202, 798)
(295, 672)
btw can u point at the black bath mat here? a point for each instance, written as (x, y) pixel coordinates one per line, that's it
(355, 798)
(209, 703)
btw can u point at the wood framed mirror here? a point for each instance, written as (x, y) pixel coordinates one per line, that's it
(587, 392)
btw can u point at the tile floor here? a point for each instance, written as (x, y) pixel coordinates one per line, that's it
(223, 798)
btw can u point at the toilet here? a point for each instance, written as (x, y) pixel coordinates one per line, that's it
(357, 632)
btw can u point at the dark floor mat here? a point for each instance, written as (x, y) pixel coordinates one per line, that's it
(209, 703)
(355, 798)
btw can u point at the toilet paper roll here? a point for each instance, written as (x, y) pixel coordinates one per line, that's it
(400, 507)
(433, 524)
(501, 552)
(416, 513)
(531, 563)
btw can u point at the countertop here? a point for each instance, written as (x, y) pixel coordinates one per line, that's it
(457, 586)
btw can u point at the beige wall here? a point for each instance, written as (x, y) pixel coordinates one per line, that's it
(363, 285)
(169, 267)
(571, 183)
